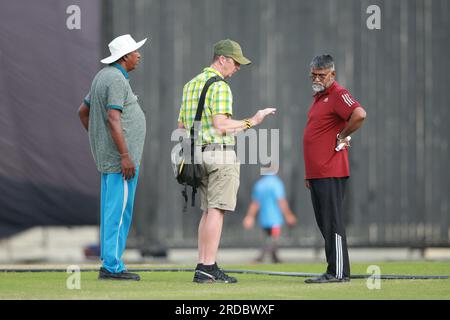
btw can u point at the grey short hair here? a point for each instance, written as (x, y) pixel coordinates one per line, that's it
(324, 61)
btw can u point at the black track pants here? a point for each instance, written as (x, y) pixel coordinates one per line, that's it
(328, 199)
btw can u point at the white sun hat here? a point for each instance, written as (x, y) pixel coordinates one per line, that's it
(121, 46)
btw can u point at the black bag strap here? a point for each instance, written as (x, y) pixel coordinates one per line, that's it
(200, 107)
(184, 194)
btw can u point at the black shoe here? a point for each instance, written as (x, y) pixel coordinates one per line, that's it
(275, 258)
(199, 266)
(259, 260)
(124, 275)
(326, 278)
(203, 275)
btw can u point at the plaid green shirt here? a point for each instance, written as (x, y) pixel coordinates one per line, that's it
(218, 100)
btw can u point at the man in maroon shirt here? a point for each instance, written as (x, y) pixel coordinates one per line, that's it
(334, 115)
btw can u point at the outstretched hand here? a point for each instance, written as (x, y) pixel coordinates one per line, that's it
(261, 114)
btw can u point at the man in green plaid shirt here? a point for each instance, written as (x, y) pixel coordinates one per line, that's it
(219, 188)
(218, 100)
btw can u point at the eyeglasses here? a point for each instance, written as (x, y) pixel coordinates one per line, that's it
(321, 76)
(237, 64)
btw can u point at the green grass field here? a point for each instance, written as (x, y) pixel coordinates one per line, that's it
(179, 285)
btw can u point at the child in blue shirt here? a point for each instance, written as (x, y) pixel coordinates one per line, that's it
(269, 199)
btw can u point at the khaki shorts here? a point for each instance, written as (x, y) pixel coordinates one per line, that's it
(220, 186)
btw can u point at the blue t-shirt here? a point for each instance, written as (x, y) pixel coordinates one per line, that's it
(267, 191)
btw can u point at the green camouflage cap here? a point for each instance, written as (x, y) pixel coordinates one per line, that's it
(231, 49)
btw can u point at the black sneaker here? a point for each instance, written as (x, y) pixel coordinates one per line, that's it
(275, 258)
(326, 278)
(203, 275)
(124, 275)
(199, 266)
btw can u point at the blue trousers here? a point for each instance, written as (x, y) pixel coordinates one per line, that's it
(116, 212)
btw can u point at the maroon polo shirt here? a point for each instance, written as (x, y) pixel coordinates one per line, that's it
(328, 115)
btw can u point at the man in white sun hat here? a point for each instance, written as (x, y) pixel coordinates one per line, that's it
(116, 126)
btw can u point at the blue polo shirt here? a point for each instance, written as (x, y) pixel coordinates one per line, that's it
(267, 192)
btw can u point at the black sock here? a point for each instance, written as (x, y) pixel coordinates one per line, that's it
(210, 267)
(199, 266)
